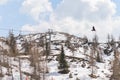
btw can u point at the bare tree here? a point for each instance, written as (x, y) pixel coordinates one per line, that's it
(20, 69)
(93, 57)
(116, 61)
(108, 38)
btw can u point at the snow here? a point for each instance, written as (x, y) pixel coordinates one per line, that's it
(103, 71)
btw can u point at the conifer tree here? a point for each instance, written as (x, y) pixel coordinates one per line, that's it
(12, 44)
(26, 46)
(63, 65)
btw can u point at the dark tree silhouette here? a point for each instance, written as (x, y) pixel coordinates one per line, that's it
(63, 65)
(11, 42)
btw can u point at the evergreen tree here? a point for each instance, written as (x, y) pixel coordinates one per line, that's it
(12, 44)
(85, 39)
(98, 59)
(63, 65)
(26, 46)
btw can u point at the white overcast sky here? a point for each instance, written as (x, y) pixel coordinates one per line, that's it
(72, 16)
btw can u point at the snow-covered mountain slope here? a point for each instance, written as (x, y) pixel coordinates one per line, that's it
(81, 55)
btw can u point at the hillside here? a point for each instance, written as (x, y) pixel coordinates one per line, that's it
(36, 57)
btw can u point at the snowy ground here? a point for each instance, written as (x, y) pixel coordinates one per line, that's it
(102, 69)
